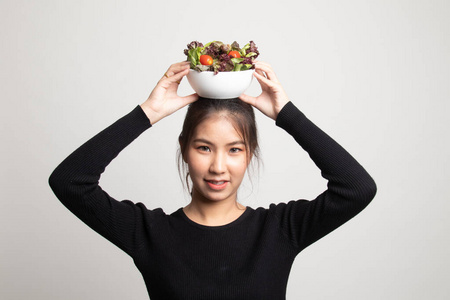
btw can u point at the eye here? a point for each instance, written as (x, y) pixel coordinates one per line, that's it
(235, 150)
(204, 148)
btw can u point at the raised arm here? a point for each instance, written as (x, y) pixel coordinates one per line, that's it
(350, 187)
(349, 190)
(76, 180)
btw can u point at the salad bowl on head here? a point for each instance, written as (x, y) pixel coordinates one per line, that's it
(223, 85)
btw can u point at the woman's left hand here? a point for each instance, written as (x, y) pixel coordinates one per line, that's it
(273, 97)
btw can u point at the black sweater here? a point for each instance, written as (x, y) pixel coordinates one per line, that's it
(249, 258)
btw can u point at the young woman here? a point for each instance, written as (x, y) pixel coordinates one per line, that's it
(215, 247)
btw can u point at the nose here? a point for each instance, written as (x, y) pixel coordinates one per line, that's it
(218, 164)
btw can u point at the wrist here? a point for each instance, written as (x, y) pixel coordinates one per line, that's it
(278, 108)
(151, 114)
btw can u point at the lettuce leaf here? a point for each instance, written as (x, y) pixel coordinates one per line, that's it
(194, 56)
(222, 62)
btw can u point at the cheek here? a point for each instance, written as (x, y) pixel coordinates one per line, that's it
(195, 163)
(239, 166)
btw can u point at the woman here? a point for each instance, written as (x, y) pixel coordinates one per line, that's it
(215, 247)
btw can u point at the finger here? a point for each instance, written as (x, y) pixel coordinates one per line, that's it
(248, 99)
(263, 81)
(266, 68)
(175, 68)
(260, 72)
(189, 99)
(176, 78)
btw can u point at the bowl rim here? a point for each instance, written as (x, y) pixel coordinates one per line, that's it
(223, 72)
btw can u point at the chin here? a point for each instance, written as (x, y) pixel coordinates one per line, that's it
(214, 196)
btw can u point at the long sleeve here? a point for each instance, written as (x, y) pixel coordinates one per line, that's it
(76, 183)
(350, 187)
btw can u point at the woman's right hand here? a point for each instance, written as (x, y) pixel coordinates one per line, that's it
(164, 99)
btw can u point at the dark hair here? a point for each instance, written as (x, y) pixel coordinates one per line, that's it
(241, 115)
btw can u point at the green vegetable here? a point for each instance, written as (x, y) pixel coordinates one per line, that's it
(222, 62)
(194, 56)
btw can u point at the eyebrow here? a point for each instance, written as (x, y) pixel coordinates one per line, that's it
(209, 143)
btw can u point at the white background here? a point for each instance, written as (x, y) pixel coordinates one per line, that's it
(373, 74)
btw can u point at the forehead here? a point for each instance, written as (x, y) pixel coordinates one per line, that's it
(218, 127)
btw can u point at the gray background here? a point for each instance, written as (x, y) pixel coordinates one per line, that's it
(373, 74)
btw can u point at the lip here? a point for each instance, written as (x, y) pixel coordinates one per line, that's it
(217, 184)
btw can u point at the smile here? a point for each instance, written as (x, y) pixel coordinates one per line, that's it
(217, 185)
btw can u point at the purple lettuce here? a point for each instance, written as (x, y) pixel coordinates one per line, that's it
(222, 62)
(253, 49)
(192, 45)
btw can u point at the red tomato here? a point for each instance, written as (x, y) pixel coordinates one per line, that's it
(234, 54)
(206, 60)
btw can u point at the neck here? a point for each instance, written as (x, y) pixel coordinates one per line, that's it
(213, 213)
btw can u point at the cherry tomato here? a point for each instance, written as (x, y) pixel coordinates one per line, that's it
(234, 54)
(206, 60)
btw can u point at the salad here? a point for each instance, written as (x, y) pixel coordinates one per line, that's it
(219, 57)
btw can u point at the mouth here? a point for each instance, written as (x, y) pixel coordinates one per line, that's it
(217, 185)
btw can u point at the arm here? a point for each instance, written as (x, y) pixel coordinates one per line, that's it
(75, 180)
(350, 187)
(76, 183)
(349, 190)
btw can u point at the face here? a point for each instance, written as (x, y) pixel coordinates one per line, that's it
(217, 160)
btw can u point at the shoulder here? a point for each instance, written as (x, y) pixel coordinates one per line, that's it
(282, 211)
(283, 207)
(148, 215)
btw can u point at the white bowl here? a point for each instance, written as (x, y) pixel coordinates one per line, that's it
(223, 85)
